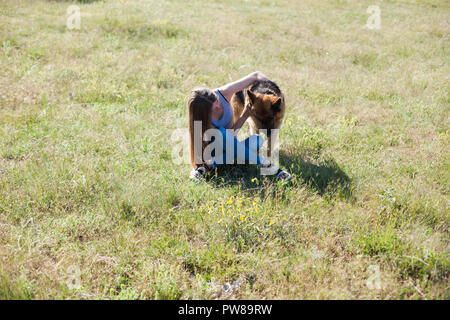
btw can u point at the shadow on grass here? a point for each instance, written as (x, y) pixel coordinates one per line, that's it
(324, 177)
(234, 175)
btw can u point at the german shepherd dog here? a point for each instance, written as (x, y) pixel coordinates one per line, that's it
(268, 107)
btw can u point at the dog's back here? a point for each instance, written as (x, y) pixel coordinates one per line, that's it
(266, 87)
(262, 87)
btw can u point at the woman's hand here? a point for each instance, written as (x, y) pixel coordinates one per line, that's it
(231, 88)
(260, 76)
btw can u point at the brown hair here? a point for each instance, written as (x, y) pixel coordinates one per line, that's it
(199, 109)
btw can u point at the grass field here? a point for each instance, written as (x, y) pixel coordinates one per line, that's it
(92, 206)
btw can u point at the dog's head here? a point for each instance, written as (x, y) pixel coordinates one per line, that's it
(266, 108)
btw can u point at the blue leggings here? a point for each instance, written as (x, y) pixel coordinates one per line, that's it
(244, 151)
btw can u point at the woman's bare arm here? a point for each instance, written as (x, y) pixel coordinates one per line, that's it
(240, 122)
(231, 88)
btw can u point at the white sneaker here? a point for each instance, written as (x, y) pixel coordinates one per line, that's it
(271, 169)
(197, 174)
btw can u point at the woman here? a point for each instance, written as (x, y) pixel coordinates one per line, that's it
(212, 109)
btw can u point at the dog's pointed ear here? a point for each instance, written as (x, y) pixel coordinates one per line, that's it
(251, 96)
(276, 107)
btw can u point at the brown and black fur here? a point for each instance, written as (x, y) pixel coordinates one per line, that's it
(268, 107)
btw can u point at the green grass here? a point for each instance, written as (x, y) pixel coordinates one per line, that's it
(86, 177)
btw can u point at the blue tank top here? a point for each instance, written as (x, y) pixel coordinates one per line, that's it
(227, 118)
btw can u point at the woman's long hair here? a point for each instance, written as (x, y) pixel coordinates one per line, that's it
(199, 109)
